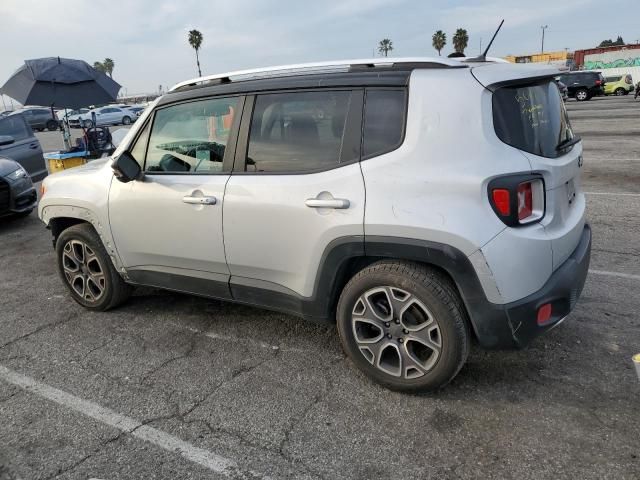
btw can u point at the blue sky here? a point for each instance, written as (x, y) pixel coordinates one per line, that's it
(148, 38)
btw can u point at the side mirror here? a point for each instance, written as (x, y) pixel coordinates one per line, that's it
(126, 168)
(6, 140)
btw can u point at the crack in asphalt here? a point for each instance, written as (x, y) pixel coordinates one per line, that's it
(39, 329)
(188, 353)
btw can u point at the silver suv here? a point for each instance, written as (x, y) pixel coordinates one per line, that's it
(419, 203)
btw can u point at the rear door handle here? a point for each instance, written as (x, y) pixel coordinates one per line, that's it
(33, 146)
(339, 203)
(199, 200)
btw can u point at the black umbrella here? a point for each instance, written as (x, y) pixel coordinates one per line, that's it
(60, 82)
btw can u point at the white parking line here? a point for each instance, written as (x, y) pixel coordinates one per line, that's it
(615, 274)
(614, 194)
(206, 458)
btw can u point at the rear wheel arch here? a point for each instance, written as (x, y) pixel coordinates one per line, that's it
(345, 257)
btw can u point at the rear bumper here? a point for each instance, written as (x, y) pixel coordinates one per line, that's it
(515, 324)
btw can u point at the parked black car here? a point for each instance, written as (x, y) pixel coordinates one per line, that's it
(21, 164)
(583, 85)
(39, 118)
(18, 143)
(17, 194)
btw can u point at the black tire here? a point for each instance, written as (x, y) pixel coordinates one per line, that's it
(126, 120)
(582, 94)
(431, 289)
(620, 91)
(114, 289)
(87, 123)
(40, 129)
(52, 125)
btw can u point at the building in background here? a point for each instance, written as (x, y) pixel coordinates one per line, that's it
(562, 59)
(611, 61)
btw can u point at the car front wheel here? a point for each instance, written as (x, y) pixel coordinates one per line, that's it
(87, 124)
(52, 125)
(87, 271)
(126, 120)
(404, 326)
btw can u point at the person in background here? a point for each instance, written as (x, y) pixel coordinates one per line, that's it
(637, 91)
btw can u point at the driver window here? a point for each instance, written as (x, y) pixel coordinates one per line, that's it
(191, 137)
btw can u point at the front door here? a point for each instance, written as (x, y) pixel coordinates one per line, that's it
(296, 187)
(167, 227)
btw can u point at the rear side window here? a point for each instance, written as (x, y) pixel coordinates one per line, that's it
(532, 118)
(14, 126)
(298, 132)
(384, 120)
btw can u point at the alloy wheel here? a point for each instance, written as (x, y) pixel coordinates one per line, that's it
(83, 271)
(396, 332)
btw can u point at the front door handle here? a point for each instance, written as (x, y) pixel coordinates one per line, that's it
(339, 203)
(199, 200)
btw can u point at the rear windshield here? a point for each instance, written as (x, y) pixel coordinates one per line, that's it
(532, 118)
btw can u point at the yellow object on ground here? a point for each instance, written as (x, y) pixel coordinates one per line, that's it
(63, 161)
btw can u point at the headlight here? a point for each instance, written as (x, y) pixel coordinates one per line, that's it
(18, 174)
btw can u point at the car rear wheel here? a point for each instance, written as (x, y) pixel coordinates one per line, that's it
(404, 326)
(87, 124)
(582, 95)
(620, 92)
(87, 271)
(126, 120)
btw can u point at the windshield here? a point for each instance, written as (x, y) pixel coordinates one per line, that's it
(532, 118)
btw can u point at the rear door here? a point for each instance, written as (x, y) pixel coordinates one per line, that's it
(296, 187)
(25, 149)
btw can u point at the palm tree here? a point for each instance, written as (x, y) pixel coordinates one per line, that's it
(439, 40)
(385, 46)
(460, 40)
(108, 65)
(99, 66)
(195, 40)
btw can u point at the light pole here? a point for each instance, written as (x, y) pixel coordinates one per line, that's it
(543, 27)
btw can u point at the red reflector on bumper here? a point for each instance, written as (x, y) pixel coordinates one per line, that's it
(544, 314)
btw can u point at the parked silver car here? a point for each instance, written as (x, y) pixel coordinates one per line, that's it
(103, 116)
(420, 203)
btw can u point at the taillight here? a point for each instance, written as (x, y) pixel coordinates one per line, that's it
(525, 201)
(518, 199)
(501, 201)
(598, 83)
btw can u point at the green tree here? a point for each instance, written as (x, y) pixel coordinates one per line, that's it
(195, 40)
(439, 40)
(99, 66)
(108, 65)
(610, 43)
(385, 46)
(460, 40)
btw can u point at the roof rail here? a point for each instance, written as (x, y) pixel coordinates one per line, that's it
(320, 67)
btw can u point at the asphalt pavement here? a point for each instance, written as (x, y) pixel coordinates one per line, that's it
(171, 386)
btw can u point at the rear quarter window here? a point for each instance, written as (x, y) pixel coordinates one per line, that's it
(531, 118)
(384, 120)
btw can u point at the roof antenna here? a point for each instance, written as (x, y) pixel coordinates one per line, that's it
(483, 57)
